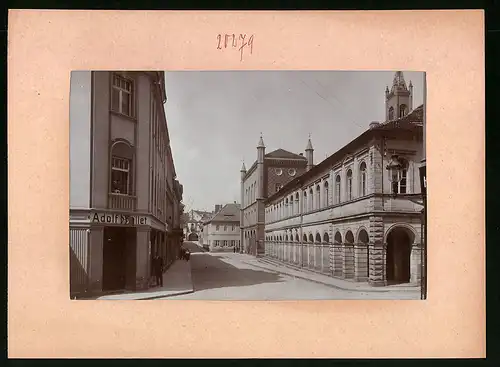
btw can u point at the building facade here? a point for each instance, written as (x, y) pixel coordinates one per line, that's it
(125, 201)
(222, 231)
(345, 217)
(267, 175)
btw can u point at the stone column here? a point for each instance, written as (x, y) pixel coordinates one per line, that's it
(348, 271)
(415, 263)
(337, 260)
(360, 262)
(377, 254)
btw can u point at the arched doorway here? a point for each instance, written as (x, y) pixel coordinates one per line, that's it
(363, 256)
(349, 255)
(325, 253)
(337, 255)
(399, 242)
(193, 236)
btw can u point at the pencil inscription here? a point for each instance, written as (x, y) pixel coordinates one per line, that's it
(239, 42)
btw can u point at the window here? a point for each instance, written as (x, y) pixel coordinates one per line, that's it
(225, 243)
(391, 113)
(292, 211)
(362, 181)
(403, 110)
(400, 187)
(232, 227)
(292, 172)
(278, 187)
(225, 228)
(327, 198)
(122, 95)
(311, 198)
(120, 176)
(337, 189)
(349, 185)
(318, 197)
(217, 227)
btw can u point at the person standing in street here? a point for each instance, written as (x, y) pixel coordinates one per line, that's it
(158, 270)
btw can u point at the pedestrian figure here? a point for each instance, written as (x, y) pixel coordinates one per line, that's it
(234, 249)
(158, 270)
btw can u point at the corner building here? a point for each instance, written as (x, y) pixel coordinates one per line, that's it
(125, 201)
(267, 175)
(344, 217)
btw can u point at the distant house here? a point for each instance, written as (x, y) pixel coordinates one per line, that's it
(222, 231)
(193, 223)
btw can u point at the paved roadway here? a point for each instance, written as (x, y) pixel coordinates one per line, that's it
(226, 276)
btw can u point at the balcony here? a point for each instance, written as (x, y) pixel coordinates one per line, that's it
(122, 202)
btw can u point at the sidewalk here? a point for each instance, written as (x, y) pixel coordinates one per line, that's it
(176, 281)
(346, 285)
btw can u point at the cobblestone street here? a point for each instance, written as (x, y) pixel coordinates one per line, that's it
(230, 276)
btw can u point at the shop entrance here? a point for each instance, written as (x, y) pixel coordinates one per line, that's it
(118, 257)
(398, 256)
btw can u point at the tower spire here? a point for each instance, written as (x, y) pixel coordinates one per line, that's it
(309, 154)
(261, 142)
(399, 81)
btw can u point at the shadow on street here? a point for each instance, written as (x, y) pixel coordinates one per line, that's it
(209, 271)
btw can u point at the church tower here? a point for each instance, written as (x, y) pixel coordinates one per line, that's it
(399, 99)
(309, 155)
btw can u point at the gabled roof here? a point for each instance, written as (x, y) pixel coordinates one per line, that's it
(228, 213)
(281, 153)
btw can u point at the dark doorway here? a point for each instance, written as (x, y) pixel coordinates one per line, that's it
(398, 256)
(193, 237)
(117, 244)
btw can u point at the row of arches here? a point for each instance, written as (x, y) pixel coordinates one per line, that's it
(318, 197)
(347, 256)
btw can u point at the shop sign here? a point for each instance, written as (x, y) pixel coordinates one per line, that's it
(118, 219)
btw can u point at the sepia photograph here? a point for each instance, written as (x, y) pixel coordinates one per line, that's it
(247, 185)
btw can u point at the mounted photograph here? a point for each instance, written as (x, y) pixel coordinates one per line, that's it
(247, 185)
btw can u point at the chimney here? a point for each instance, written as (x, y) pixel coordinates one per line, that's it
(374, 124)
(217, 207)
(301, 154)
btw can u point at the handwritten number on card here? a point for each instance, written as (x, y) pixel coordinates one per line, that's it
(239, 42)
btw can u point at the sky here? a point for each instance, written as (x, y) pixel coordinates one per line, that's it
(215, 119)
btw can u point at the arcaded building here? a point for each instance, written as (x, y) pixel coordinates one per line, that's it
(125, 200)
(267, 175)
(347, 217)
